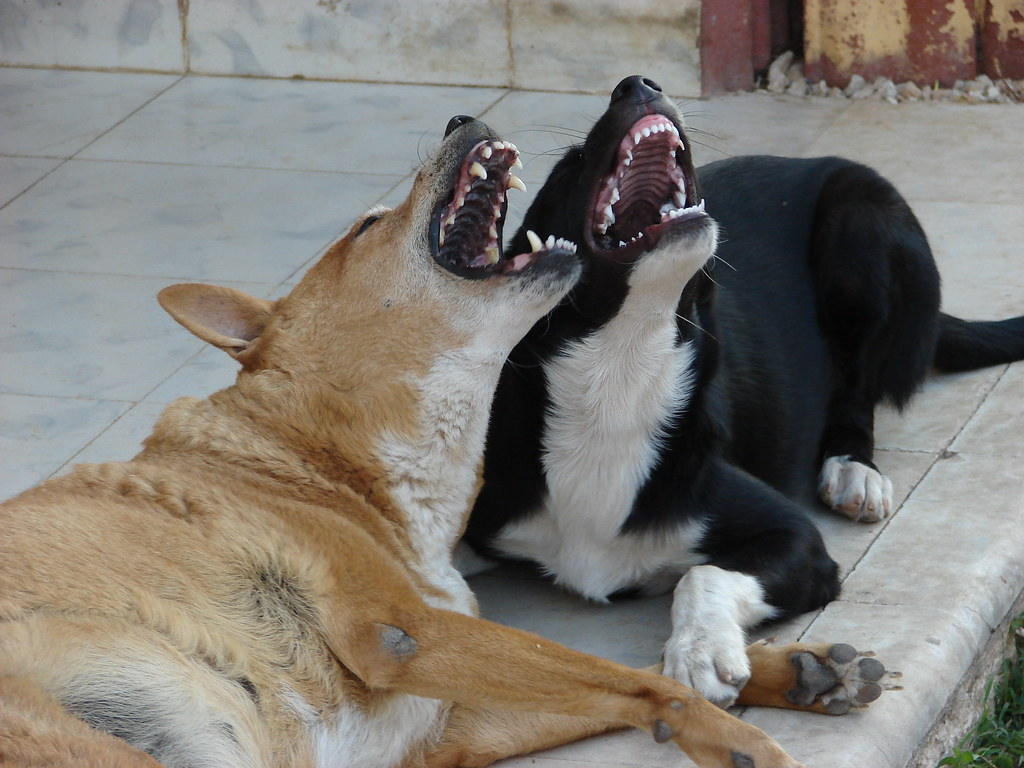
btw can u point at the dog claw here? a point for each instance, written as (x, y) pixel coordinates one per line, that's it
(843, 680)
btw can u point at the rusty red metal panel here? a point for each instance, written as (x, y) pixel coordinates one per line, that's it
(927, 41)
(761, 33)
(1002, 39)
(726, 46)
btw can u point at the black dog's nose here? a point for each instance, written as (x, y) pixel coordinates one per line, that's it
(636, 88)
(457, 121)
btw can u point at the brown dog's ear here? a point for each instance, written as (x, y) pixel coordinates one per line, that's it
(225, 317)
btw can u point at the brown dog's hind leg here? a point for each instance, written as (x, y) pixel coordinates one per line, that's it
(829, 678)
(439, 654)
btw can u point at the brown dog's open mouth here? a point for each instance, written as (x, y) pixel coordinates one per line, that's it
(467, 229)
(650, 190)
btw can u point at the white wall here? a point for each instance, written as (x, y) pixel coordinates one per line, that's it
(562, 45)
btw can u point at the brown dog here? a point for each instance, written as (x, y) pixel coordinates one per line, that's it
(269, 582)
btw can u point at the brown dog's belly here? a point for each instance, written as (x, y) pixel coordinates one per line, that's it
(163, 608)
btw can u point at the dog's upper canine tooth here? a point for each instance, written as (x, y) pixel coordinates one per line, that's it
(477, 170)
(514, 182)
(535, 242)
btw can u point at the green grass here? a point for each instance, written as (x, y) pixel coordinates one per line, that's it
(997, 741)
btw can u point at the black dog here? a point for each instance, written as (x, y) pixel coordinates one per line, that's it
(668, 423)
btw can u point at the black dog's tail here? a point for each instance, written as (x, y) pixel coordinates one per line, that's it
(965, 345)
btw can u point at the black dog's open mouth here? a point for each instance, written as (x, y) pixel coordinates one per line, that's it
(650, 189)
(466, 230)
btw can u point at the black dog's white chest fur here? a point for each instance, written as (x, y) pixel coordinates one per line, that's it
(612, 396)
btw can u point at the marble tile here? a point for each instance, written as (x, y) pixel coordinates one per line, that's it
(958, 543)
(55, 113)
(630, 748)
(39, 434)
(629, 631)
(942, 152)
(209, 371)
(936, 414)
(757, 124)
(431, 41)
(216, 224)
(122, 439)
(584, 46)
(997, 429)
(90, 336)
(19, 173)
(358, 127)
(977, 250)
(123, 34)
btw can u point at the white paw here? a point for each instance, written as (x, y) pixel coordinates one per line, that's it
(710, 662)
(711, 609)
(854, 489)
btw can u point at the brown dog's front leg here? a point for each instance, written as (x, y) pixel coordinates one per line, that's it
(444, 655)
(830, 678)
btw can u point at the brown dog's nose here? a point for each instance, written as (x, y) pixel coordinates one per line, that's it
(457, 121)
(636, 88)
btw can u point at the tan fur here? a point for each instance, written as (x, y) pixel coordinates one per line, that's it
(268, 582)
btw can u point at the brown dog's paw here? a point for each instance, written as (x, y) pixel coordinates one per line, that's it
(835, 679)
(714, 738)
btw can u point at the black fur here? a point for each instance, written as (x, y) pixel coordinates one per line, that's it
(823, 302)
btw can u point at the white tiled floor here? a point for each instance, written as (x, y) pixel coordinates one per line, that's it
(114, 185)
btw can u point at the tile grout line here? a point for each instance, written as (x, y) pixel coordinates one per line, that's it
(65, 160)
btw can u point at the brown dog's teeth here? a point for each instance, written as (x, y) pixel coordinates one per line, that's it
(535, 242)
(514, 182)
(476, 169)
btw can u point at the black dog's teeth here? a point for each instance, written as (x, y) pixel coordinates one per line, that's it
(468, 227)
(647, 186)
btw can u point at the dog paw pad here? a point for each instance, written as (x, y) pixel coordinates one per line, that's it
(842, 653)
(871, 670)
(844, 679)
